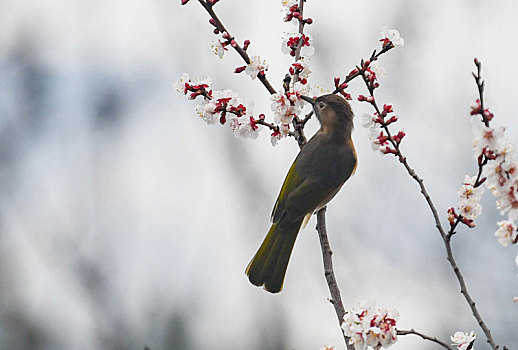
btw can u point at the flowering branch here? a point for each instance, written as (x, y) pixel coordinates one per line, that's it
(363, 326)
(390, 144)
(425, 337)
(207, 5)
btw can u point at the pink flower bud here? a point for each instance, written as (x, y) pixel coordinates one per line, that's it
(233, 43)
(211, 21)
(337, 81)
(239, 69)
(246, 44)
(184, 2)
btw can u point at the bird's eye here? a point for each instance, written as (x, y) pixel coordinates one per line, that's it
(321, 105)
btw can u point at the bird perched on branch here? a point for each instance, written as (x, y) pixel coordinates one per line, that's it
(315, 177)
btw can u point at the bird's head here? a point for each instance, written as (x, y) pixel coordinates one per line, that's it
(333, 112)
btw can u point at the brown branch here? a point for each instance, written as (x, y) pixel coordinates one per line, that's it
(273, 127)
(329, 274)
(425, 337)
(219, 25)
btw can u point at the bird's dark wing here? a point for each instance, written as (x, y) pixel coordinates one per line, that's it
(291, 182)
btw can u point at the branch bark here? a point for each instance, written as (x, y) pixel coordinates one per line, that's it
(425, 337)
(334, 290)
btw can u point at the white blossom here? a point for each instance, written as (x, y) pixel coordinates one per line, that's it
(506, 232)
(368, 120)
(369, 326)
(393, 35)
(463, 340)
(289, 3)
(206, 112)
(256, 66)
(243, 127)
(218, 48)
(486, 137)
(378, 69)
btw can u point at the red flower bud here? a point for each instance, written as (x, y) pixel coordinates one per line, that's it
(337, 81)
(387, 109)
(246, 44)
(239, 69)
(309, 21)
(353, 72)
(184, 2)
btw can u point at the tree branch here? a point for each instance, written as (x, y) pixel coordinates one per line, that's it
(329, 273)
(446, 237)
(219, 25)
(425, 337)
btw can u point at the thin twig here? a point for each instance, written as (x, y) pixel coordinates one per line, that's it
(329, 273)
(425, 337)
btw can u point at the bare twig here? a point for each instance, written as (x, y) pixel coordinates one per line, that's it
(329, 274)
(425, 337)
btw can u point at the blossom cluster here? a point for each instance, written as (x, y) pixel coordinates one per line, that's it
(495, 154)
(367, 326)
(286, 106)
(378, 125)
(220, 105)
(463, 341)
(290, 42)
(391, 37)
(292, 11)
(469, 196)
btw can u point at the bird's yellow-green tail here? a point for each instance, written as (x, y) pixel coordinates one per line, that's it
(268, 266)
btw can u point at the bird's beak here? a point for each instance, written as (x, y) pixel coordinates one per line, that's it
(308, 99)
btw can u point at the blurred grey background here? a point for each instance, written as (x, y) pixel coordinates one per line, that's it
(126, 221)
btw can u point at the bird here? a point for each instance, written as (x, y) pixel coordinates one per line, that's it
(318, 172)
